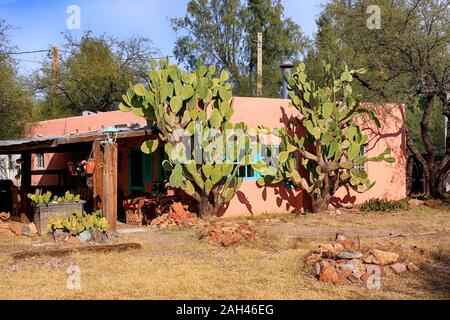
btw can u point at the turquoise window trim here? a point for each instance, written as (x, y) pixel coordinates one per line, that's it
(40, 160)
(362, 153)
(256, 175)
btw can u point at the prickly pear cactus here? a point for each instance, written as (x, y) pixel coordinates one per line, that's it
(184, 107)
(329, 146)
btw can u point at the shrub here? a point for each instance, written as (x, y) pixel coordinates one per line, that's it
(382, 205)
(77, 222)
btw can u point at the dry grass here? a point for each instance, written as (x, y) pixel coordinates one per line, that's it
(176, 265)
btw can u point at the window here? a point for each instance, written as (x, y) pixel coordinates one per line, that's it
(247, 172)
(40, 162)
(362, 153)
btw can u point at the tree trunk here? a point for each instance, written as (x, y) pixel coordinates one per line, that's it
(320, 201)
(409, 174)
(206, 208)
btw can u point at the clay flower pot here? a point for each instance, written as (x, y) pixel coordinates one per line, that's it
(90, 166)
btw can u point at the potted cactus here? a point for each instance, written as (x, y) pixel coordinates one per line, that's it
(44, 206)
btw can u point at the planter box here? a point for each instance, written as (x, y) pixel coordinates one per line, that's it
(41, 212)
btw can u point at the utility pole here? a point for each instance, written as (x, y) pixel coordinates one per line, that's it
(55, 69)
(259, 80)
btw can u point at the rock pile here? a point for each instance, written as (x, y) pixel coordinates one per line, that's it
(339, 263)
(228, 233)
(177, 217)
(429, 203)
(9, 227)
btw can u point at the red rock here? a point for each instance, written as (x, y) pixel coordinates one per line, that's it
(399, 267)
(328, 274)
(433, 203)
(353, 279)
(229, 240)
(312, 258)
(347, 244)
(365, 277)
(73, 241)
(344, 274)
(415, 202)
(412, 267)
(381, 257)
(329, 250)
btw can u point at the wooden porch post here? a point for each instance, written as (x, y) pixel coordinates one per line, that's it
(98, 176)
(110, 185)
(25, 187)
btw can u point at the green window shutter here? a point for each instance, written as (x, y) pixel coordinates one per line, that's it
(160, 167)
(148, 167)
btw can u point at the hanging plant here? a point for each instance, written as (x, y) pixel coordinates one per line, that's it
(77, 168)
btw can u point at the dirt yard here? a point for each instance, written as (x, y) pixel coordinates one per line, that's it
(177, 265)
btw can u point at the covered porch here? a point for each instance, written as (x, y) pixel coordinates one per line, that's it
(120, 168)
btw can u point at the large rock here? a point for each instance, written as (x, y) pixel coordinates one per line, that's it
(412, 267)
(355, 266)
(375, 269)
(380, 257)
(433, 203)
(61, 236)
(399, 267)
(349, 255)
(328, 274)
(415, 202)
(329, 250)
(85, 236)
(347, 244)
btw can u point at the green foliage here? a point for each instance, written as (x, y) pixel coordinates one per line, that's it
(332, 140)
(40, 198)
(224, 33)
(408, 62)
(376, 204)
(16, 101)
(175, 100)
(77, 222)
(93, 75)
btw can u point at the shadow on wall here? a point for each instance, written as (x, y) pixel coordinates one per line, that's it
(56, 161)
(391, 134)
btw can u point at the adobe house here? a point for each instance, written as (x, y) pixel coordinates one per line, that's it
(122, 169)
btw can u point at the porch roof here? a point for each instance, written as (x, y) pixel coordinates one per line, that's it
(66, 142)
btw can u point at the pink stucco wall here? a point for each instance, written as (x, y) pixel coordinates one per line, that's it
(272, 113)
(390, 178)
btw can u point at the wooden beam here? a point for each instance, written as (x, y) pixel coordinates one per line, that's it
(25, 186)
(97, 192)
(64, 143)
(259, 73)
(110, 185)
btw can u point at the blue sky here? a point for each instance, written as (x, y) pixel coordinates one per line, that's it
(39, 23)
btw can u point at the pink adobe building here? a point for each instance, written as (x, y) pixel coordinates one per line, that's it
(138, 172)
